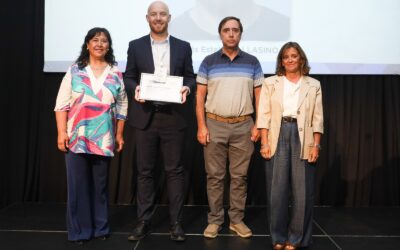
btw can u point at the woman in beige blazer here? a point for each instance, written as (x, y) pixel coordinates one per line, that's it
(290, 117)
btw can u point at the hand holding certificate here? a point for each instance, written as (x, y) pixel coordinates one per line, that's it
(168, 89)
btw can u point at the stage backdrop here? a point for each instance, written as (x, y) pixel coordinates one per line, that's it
(359, 163)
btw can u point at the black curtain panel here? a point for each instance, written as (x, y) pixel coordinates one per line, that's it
(359, 163)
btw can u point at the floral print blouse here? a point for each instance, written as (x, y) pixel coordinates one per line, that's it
(93, 106)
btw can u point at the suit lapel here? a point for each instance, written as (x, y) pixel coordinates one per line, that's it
(172, 54)
(305, 85)
(149, 51)
(279, 90)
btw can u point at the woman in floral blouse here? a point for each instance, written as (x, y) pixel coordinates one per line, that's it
(90, 111)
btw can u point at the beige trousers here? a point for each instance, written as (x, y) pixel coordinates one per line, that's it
(228, 142)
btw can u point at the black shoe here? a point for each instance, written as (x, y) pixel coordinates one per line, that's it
(141, 230)
(78, 242)
(177, 233)
(103, 237)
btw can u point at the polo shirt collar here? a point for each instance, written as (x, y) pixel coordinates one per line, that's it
(221, 52)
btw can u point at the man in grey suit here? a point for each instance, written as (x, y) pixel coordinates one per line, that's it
(158, 124)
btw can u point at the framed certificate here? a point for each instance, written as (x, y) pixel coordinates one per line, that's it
(168, 90)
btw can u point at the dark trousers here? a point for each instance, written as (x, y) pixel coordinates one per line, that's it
(290, 181)
(87, 204)
(170, 140)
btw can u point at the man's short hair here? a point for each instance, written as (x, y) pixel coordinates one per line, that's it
(226, 19)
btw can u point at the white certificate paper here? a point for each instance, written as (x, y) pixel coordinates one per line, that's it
(168, 91)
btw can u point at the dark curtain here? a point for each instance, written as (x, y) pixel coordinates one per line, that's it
(359, 163)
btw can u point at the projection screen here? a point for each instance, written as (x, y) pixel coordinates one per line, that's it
(339, 37)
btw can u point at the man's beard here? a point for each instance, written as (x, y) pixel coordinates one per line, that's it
(159, 31)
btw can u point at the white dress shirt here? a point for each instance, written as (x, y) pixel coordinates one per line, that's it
(161, 53)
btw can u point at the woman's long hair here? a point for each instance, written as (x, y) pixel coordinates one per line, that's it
(304, 66)
(83, 59)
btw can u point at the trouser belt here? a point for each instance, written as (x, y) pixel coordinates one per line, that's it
(228, 119)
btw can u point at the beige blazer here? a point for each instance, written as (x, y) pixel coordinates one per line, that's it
(309, 113)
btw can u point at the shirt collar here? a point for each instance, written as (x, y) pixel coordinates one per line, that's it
(221, 52)
(296, 86)
(152, 41)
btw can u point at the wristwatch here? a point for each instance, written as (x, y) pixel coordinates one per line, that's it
(318, 146)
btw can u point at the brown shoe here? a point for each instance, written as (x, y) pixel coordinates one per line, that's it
(278, 246)
(241, 229)
(289, 246)
(211, 231)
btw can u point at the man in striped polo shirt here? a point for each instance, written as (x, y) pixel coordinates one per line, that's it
(228, 80)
